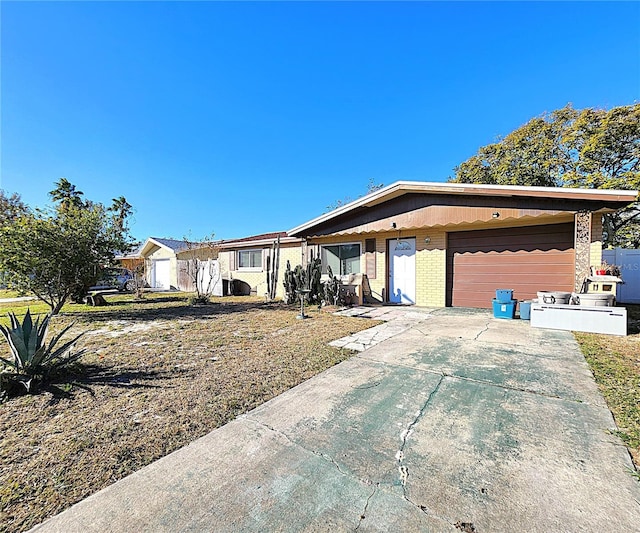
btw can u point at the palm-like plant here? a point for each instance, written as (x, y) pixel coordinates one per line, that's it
(121, 210)
(67, 194)
(32, 359)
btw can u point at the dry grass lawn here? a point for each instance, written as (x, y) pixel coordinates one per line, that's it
(160, 374)
(615, 363)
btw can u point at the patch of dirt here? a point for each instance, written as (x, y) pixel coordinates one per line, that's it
(116, 328)
(159, 378)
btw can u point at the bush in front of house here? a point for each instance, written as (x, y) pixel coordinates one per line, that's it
(327, 292)
(301, 278)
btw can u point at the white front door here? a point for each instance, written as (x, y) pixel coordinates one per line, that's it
(161, 274)
(402, 271)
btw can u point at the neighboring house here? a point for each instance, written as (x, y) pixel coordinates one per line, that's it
(131, 260)
(167, 263)
(453, 244)
(245, 261)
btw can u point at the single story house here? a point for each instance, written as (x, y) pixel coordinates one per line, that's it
(453, 244)
(131, 260)
(244, 261)
(166, 263)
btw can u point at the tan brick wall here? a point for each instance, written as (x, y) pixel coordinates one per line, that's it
(431, 262)
(595, 250)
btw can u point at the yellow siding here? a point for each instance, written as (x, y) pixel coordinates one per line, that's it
(257, 279)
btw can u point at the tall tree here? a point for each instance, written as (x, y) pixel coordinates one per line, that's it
(66, 195)
(372, 186)
(58, 255)
(11, 207)
(121, 210)
(590, 148)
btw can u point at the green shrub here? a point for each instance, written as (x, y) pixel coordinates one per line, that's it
(32, 359)
(331, 289)
(304, 278)
(199, 299)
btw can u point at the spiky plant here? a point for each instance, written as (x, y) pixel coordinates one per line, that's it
(32, 359)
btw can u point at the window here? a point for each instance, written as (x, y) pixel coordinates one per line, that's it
(250, 259)
(342, 258)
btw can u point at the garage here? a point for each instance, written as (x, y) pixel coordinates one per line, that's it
(161, 274)
(526, 259)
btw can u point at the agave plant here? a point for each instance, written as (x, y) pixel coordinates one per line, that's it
(32, 359)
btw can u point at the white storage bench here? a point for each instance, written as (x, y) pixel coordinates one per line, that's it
(599, 319)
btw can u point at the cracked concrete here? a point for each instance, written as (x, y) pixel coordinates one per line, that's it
(402, 468)
(397, 321)
(457, 421)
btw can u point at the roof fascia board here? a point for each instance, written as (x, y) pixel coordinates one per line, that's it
(151, 240)
(257, 243)
(403, 187)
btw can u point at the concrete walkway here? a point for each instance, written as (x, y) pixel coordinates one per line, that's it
(460, 422)
(396, 320)
(17, 299)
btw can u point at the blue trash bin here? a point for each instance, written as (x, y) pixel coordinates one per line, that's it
(504, 295)
(525, 310)
(504, 309)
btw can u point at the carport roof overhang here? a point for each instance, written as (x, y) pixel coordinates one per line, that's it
(602, 200)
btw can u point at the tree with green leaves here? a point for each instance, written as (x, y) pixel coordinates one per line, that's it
(66, 195)
(11, 207)
(372, 186)
(121, 211)
(58, 254)
(588, 148)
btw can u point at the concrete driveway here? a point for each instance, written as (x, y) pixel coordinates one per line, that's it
(457, 422)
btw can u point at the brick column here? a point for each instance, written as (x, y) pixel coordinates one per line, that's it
(582, 242)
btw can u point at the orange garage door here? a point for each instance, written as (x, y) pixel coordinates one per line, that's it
(526, 259)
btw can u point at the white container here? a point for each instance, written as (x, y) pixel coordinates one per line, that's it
(594, 299)
(554, 297)
(609, 320)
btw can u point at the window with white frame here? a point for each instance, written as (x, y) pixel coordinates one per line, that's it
(342, 258)
(250, 259)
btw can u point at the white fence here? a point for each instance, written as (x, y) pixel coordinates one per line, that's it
(209, 279)
(629, 263)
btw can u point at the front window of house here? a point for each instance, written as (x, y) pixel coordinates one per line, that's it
(250, 259)
(342, 258)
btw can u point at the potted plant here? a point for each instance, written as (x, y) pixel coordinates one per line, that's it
(602, 269)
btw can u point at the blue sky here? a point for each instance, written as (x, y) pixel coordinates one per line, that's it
(241, 118)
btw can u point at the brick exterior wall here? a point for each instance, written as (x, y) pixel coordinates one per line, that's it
(595, 250)
(431, 262)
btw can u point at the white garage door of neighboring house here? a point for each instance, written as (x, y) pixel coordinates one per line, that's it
(161, 274)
